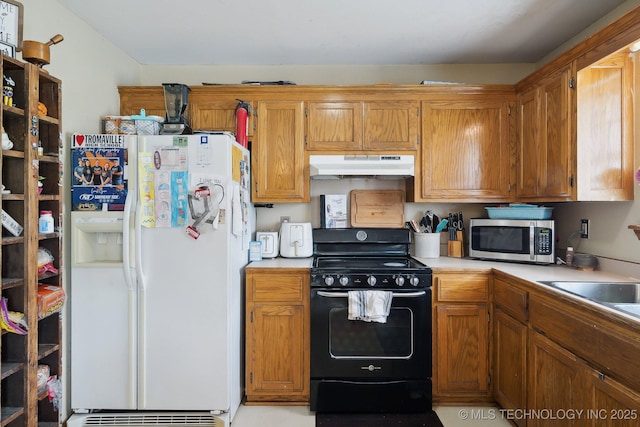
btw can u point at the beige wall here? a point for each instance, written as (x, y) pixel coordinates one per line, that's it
(338, 74)
(90, 67)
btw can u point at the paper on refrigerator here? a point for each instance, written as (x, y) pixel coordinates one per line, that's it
(163, 185)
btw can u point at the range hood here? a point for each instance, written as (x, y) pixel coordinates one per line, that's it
(389, 166)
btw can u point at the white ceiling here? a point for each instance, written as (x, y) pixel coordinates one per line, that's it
(329, 32)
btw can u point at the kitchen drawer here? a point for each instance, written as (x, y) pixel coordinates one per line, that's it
(511, 299)
(280, 285)
(462, 287)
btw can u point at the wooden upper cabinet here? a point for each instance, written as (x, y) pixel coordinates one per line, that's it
(214, 113)
(334, 126)
(280, 172)
(209, 108)
(605, 93)
(391, 125)
(149, 98)
(362, 126)
(556, 177)
(528, 129)
(465, 150)
(545, 159)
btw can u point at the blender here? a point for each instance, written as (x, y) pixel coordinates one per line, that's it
(175, 101)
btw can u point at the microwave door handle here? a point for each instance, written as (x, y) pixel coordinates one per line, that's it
(532, 246)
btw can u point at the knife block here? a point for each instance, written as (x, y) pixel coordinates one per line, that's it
(456, 247)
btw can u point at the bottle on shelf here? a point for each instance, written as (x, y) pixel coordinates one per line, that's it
(45, 223)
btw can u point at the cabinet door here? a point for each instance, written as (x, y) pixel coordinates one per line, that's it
(391, 125)
(280, 172)
(133, 99)
(214, 114)
(544, 165)
(277, 337)
(462, 349)
(465, 150)
(277, 360)
(612, 403)
(334, 126)
(555, 156)
(528, 131)
(554, 381)
(510, 362)
(605, 129)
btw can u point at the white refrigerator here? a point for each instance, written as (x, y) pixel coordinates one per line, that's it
(157, 287)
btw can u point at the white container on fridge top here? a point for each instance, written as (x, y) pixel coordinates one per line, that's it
(296, 240)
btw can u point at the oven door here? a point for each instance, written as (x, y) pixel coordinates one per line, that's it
(355, 349)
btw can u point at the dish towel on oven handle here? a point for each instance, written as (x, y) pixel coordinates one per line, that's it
(369, 306)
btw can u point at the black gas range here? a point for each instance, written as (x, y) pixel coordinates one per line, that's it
(365, 366)
(366, 258)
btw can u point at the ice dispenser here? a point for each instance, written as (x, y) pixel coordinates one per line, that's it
(96, 238)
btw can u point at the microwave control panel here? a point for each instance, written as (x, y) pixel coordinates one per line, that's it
(544, 239)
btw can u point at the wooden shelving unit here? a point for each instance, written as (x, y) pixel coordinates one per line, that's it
(636, 229)
(21, 403)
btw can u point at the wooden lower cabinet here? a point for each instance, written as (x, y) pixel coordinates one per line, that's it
(510, 363)
(546, 354)
(554, 383)
(610, 402)
(277, 335)
(565, 390)
(461, 338)
(510, 343)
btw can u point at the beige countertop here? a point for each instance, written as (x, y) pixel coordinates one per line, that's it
(529, 272)
(443, 264)
(281, 262)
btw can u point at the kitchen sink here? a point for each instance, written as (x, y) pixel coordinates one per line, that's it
(617, 293)
(629, 308)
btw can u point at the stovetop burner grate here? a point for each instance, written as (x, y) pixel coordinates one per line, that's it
(346, 264)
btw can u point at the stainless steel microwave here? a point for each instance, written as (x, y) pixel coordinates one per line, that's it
(517, 240)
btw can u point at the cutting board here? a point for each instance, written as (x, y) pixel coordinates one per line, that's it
(377, 208)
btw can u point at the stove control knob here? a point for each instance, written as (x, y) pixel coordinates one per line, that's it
(399, 280)
(328, 280)
(372, 280)
(344, 280)
(414, 281)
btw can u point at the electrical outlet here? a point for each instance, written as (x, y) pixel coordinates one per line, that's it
(285, 219)
(585, 226)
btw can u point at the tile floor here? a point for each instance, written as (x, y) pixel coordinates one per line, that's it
(299, 416)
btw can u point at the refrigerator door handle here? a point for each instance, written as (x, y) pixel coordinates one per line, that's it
(142, 327)
(126, 240)
(138, 249)
(129, 277)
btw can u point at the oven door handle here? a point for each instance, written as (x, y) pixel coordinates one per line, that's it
(395, 294)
